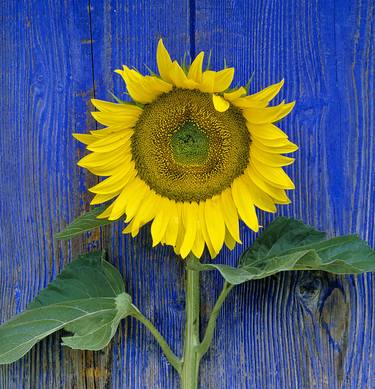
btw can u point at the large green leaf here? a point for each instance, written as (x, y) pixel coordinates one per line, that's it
(86, 299)
(84, 223)
(288, 244)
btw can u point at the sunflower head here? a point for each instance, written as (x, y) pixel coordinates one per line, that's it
(189, 154)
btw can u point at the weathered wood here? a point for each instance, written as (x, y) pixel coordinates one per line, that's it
(127, 33)
(49, 70)
(46, 83)
(306, 330)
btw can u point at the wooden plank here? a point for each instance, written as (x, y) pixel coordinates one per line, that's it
(306, 330)
(46, 83)
(127, 33)
(65, 44)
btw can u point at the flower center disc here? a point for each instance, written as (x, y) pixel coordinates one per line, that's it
(189, 144)
(185, 150)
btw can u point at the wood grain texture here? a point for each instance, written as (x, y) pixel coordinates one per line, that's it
(296, 330)
(127, 33)
(46, 83)
(304, 330)
(49, 77)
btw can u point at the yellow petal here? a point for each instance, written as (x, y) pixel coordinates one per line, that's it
(220, 104)
(111, 137)
(260, 198)
(115, 182)
(113, 168)
(243, 200)
(119, 206)
(233, 96)
(206, 237)
(179, 77)
(173, 227)
(267, 94)
(143, 89)
(107, 106)
(85, 138)
(135, 202)
(128, 195)
(268, 114)
(208, 81)
(111, 142)
(278, 146)
(147, 210)
(99, 198)
(266, 131)
(229, 240)
(100, 159)
(132, 228)
(230, 214)
(276, 193)
(215, 224)
(126, 120)
(215, 82)
(274, 175)
(176, 250)
(259, 99)
(164, 61)
(198, 246)
(105, 213)
(223, 79)
(160, 223)
(189, 215)
(113, 129)
(195, 70)
(181, 229)
(269, 159)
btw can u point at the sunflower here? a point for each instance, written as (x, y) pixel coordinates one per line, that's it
(189, 154)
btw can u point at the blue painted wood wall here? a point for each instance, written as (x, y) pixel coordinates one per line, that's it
(294, 330)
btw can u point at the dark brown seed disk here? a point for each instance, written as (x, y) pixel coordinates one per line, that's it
(186, 150)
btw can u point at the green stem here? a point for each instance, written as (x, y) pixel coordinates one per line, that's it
(190, 360)
(194, 350)
(207, 340)
(171, 356)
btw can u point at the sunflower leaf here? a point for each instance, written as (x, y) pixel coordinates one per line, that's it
(86, 299)
(86, 222)
(289, 244)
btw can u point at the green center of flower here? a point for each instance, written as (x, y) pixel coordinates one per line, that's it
(189, 144)
(185, 150)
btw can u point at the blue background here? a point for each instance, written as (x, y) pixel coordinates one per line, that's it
(293, 330)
